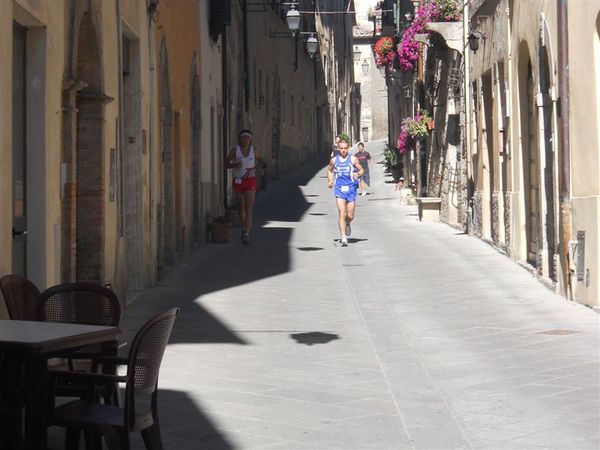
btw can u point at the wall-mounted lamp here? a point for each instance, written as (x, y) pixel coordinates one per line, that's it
(365, 66)
(356, 53)
(408, 16)
(153, 9)
(473, 39)
(312, 45)
(293, 18)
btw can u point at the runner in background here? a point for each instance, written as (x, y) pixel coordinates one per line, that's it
(242, 159)
(364, 158)
(344, 170)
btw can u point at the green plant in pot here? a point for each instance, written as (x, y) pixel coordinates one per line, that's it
(393, 161)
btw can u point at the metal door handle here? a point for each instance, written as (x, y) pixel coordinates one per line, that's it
(19, 233)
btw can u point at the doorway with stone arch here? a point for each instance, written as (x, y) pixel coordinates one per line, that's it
(547, 151)
(165, 222)
(529, 157)
(195, 125)
(89, 158)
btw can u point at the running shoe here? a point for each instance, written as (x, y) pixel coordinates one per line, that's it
(348, 229)
(344, 242)
(245, 238)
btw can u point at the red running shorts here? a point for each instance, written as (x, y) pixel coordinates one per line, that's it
(241, 185)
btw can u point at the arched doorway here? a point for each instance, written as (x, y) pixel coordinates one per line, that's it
(276, 131)
(546, 111)
(489, 221)
(530, 159)
(195, 125)
(131, 166)
(166, 219)
(89, 192)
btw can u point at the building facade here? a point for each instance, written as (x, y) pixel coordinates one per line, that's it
(514, 155)
(116, 117)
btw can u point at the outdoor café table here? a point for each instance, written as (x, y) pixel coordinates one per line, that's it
(31, 344)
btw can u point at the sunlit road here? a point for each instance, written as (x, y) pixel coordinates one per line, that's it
(416, 336)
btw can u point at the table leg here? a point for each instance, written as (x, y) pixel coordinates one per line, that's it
(11, 436)
(35, 403)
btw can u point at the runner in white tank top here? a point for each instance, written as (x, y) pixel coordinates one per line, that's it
(243, 159)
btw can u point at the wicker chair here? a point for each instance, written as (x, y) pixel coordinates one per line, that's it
(88, 304)
(141, 387)
(21, 296)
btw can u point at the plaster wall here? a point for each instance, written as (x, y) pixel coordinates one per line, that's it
(211, 90)
(584, 118)
(178, 24)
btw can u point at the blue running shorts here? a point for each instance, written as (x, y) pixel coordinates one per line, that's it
(347, 193)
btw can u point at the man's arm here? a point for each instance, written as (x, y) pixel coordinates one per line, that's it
(330, 174)
(259, 157)
(231, 156)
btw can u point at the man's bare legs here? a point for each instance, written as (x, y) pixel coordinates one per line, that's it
(346, 215)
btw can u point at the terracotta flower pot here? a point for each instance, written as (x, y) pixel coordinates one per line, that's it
(219, 232)
(430, 125)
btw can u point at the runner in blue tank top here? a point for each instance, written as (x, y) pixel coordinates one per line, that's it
(344, 171)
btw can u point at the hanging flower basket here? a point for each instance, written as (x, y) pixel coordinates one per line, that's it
(412, 129)
(385, 52)
(432, 11)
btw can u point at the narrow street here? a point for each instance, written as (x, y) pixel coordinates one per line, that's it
(416, 336)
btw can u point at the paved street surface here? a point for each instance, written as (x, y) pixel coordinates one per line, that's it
(416, 336)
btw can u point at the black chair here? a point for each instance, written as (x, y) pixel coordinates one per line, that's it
(87, 304)
(141, 386)
(82, 303)
(21, 297)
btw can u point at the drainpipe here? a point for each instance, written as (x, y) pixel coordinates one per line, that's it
(225, 100)
(245, 49)
(467, 116)
(564, 149)
(153, 237)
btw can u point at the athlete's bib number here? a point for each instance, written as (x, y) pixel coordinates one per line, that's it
(345, 188)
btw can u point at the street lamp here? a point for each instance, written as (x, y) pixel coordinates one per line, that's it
(312, 45)
(356, 53)
(365, 66)
(474, 38)
(293, 19)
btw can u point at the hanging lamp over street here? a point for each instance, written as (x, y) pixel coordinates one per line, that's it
(293, 19)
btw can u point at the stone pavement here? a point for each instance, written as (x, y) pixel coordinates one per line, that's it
(416, 336)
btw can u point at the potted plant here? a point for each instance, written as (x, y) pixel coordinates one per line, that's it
(385, 52)
(393, 162)
(219, 228)
(450, 10)
(413, 128)
(432, 11)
